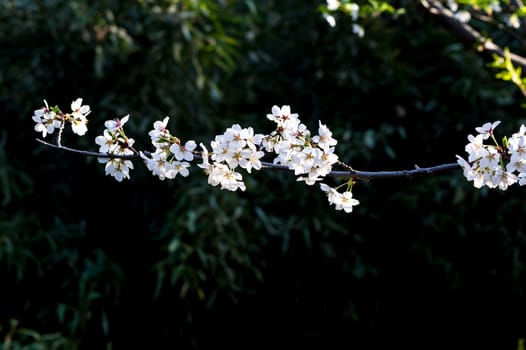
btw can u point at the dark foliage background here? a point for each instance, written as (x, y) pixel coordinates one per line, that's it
(89, 263)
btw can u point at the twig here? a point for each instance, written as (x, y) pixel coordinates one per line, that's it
(348, 174)
(468, 33)
(91, 154)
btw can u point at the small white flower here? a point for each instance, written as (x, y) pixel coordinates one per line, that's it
(281, 114)
(251, 159)
(78, 108)
(331, 20)
(46, 120)
(333, 5)
(118, 168)
(183, 152)
(79, 124)
(159, 132)
(348, 202)
(158, 165)
(487, 129)
(503, 179)
(324, 138)
(181, 168)
(204, 156)
(469, 173)
(106, 142)
(342, 201)
(116, 124)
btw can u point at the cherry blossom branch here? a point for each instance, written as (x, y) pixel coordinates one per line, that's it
(345, 174)
(310, 156)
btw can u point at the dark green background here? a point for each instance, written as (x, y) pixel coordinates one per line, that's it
(94, 264)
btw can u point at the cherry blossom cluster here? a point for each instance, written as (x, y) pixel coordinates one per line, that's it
(170, 157)
(114, 141)
(311, 157)
(342, 201)
(48, 119)
(236, 148)
(495, 165)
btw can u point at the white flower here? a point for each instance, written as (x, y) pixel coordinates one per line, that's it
(106, 142)
(251, 159)
(228, 179)
(306, 159)
(236, 135)
(521, 132)
(183, 152)
(475, 145)
(116, 124)
(282, 115)
(181, 168)
(331, 20)
(503, 179)
(295, 131)
(232, 181)
(118, 168)
(324, 138)
(469, 173)
(253, 140)
(79, 124)
(46, 120)
(490, 158)
(487, 129)
(159, 132)
(342, 201)
(78, 108)
(333, 5)
(158, 165)
(204, 156)
(332, 194)
(347, 202)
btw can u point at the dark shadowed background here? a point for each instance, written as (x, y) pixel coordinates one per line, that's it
(90, 263)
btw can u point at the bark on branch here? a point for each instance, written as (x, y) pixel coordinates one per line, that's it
(342, 174)
(467, 33)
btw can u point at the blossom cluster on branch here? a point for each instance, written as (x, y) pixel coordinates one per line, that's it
(311, 157)
(495, 165)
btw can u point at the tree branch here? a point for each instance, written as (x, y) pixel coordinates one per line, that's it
(467, 33)
(92, 154)
(347, 174)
